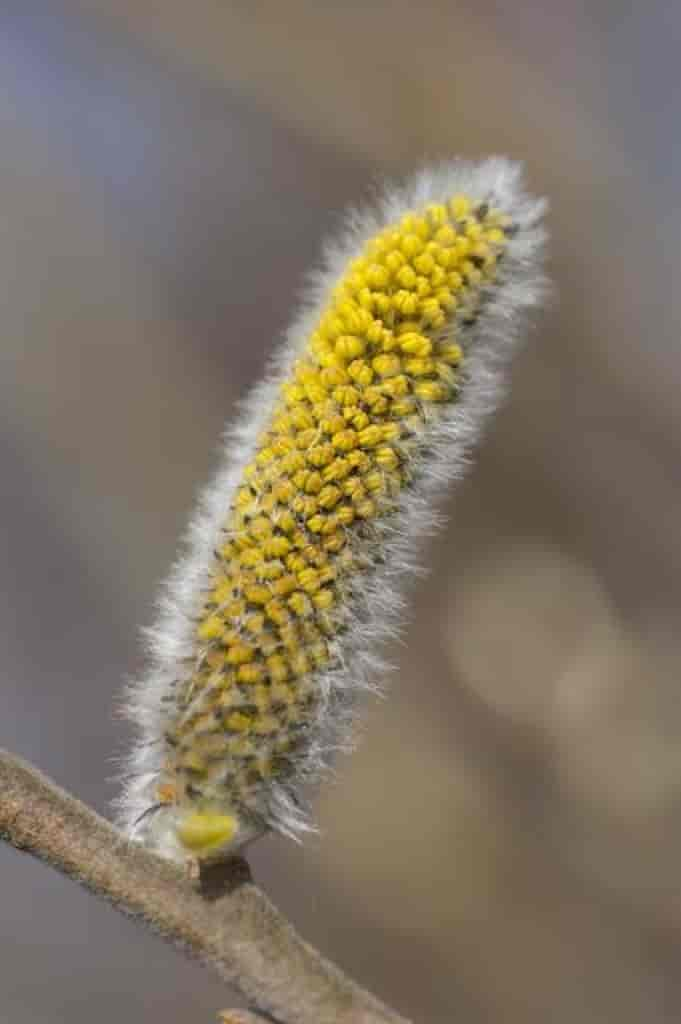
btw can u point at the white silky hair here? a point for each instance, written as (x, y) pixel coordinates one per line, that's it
(391, 556)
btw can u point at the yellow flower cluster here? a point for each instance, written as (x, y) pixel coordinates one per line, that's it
(340, 447)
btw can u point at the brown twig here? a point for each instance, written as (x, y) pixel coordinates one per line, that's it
(224, 920)
(241, 1017)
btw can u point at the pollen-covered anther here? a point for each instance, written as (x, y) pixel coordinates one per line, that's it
(203, 833)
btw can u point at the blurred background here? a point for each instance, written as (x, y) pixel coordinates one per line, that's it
(504, 846)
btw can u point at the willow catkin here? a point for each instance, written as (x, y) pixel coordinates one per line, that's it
(303, 544)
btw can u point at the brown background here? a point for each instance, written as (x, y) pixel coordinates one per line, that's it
(504, 846)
